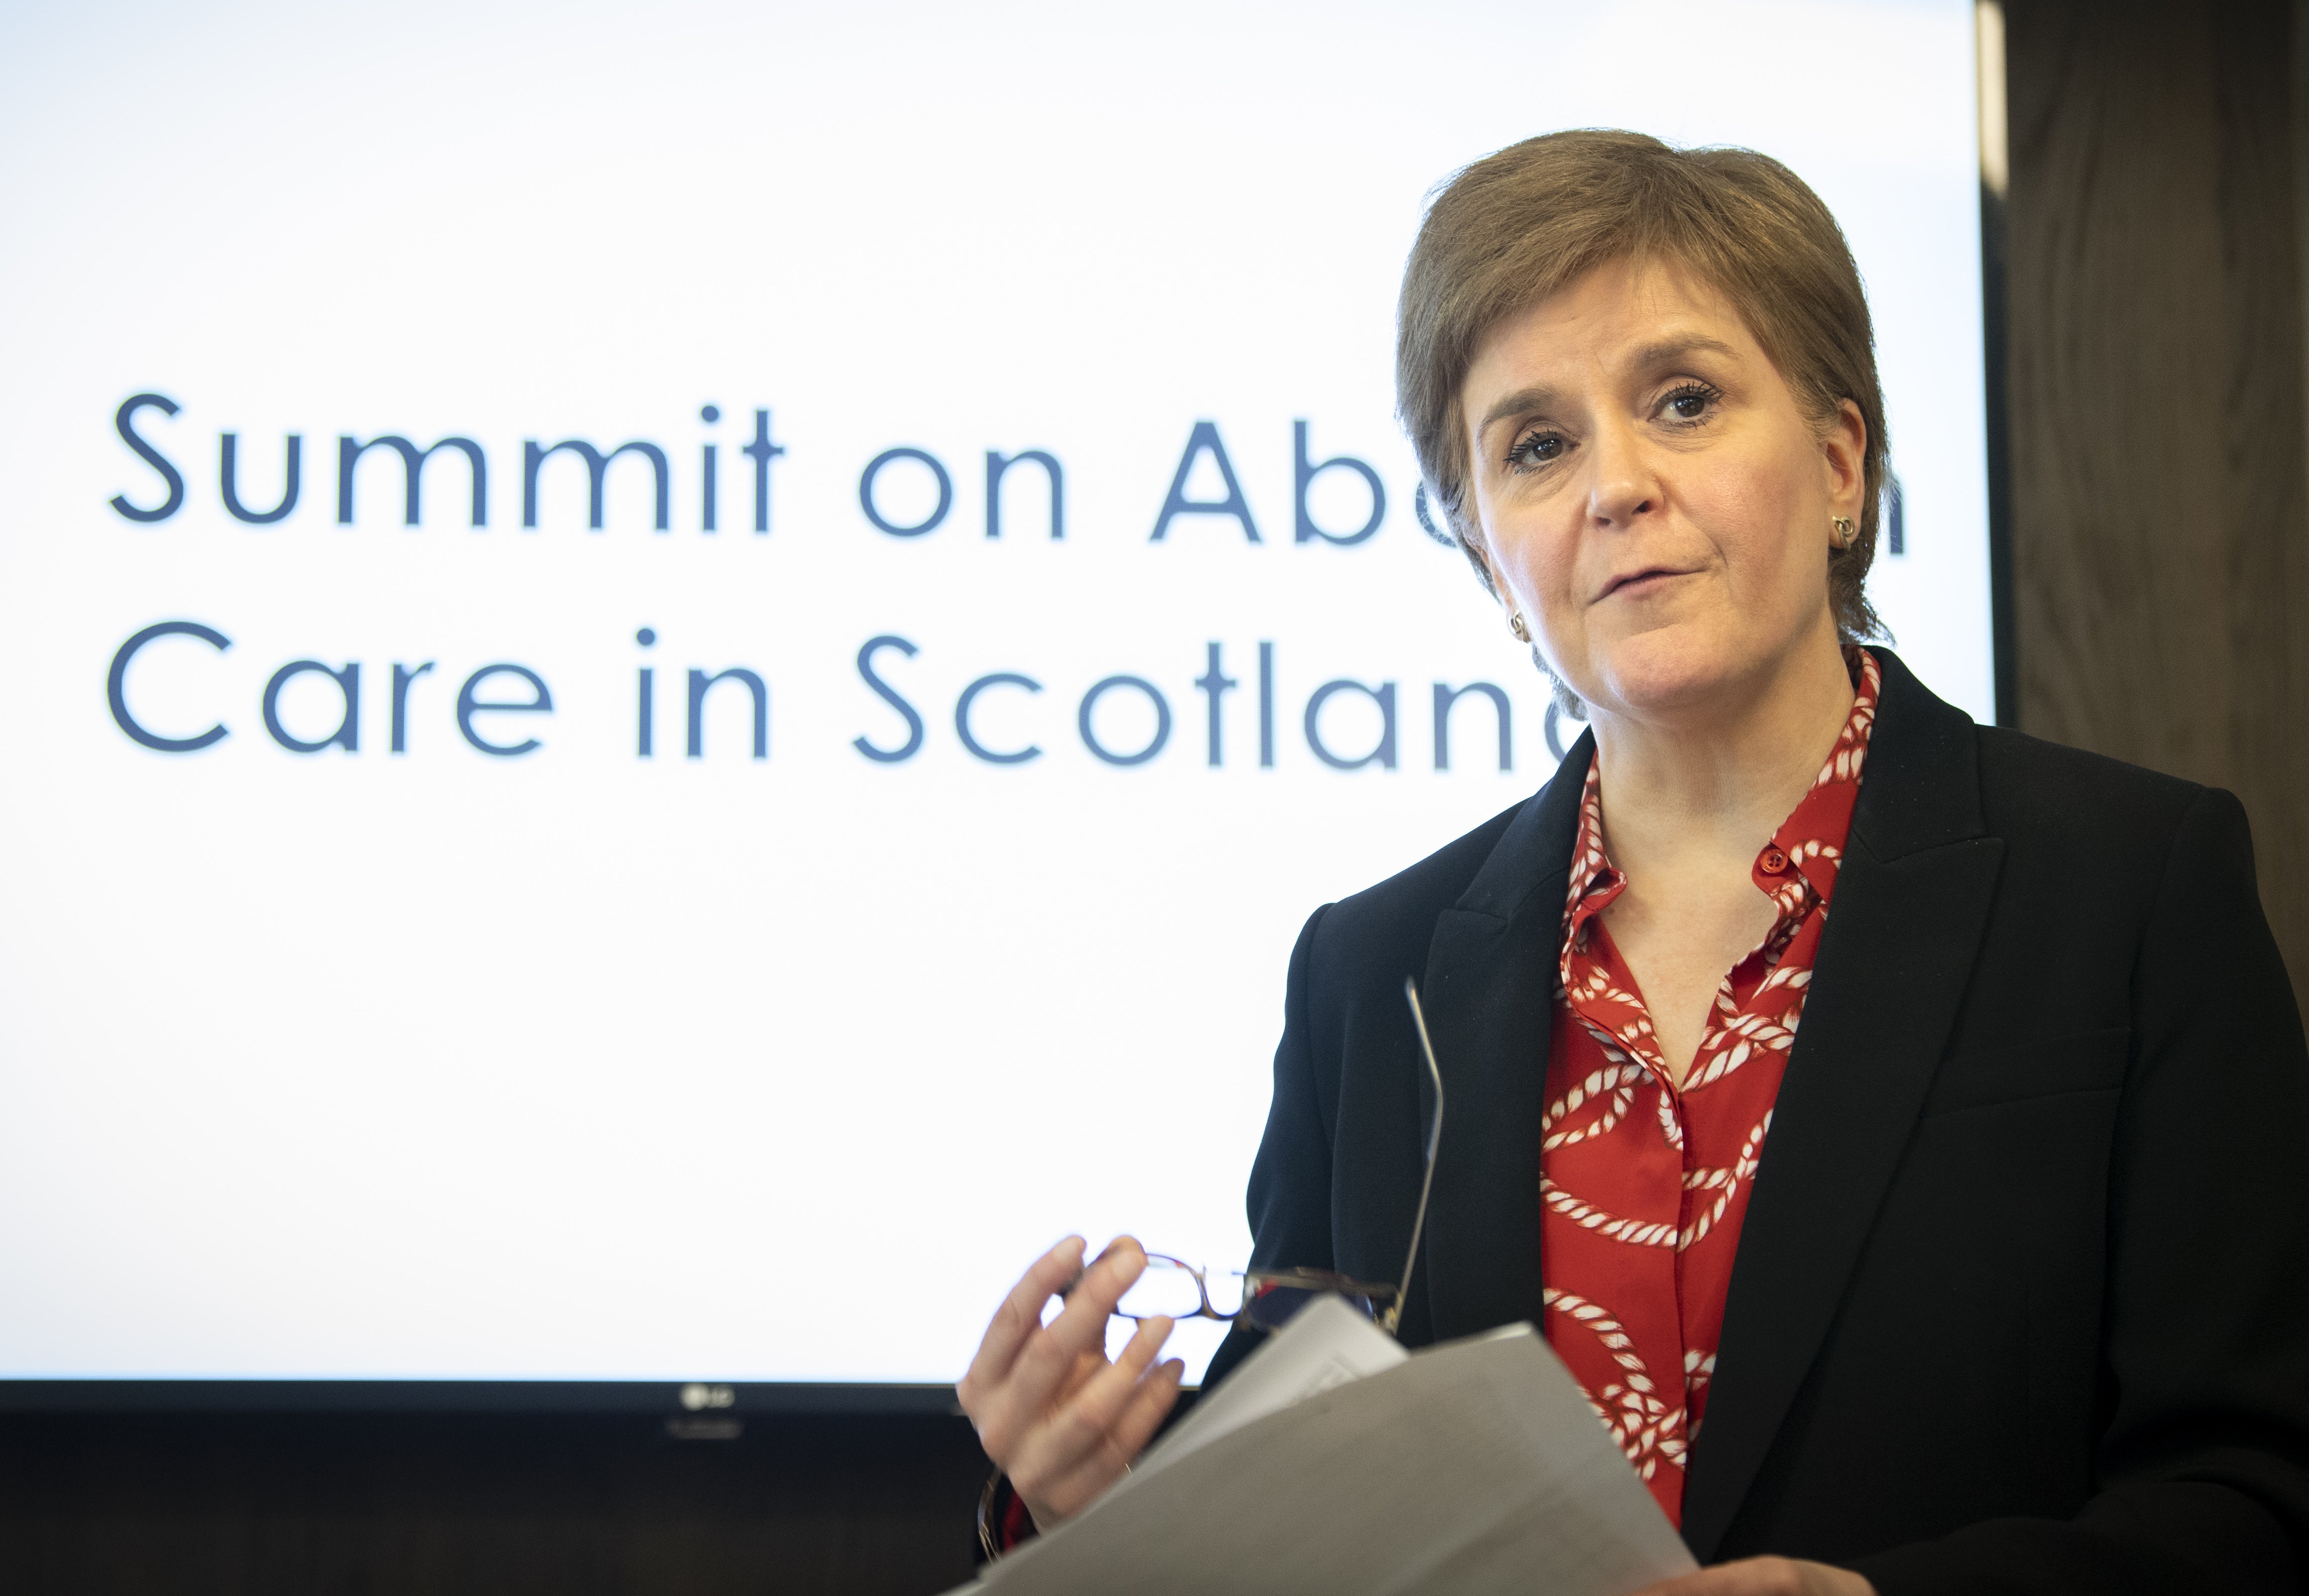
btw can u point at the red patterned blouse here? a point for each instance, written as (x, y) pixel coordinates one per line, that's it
(1644, 1185)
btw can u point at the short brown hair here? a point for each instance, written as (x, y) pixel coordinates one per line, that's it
(1506, 232)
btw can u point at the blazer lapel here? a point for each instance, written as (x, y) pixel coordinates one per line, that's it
(1912, 896)
(1488, 995)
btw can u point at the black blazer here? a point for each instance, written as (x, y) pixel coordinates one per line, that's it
(2021, 1302)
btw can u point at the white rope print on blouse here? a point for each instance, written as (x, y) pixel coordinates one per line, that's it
(1601, 1111)
(1751, 1032)
(1620, 1078)
(1852, 747)
(1646, 1428)
(1724, 1047)
(1723, 1185)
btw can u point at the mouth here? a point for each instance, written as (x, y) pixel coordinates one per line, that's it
(1636, 584)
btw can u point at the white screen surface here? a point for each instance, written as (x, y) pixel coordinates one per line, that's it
(435, 1062)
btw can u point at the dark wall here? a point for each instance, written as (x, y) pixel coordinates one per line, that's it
(2160, 550)
(500, 1506)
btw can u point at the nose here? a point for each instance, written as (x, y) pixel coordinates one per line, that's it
(1621, 486)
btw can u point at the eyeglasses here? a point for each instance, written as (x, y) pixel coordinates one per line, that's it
(1174, 1289)
(1265, 1299)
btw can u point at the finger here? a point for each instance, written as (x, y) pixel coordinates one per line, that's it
(1081, 1326)
(1019, 1316)
(1708, 1582)
(1100, 1465)
(1021, 1313)
(1149, 1405)
(1058, 1359)
(1115, 1269)
(1051, 1352)
(1082, 1429)
(1094, 1476)
(1086, 1369)
(1116, 1245)
(1750, 1576)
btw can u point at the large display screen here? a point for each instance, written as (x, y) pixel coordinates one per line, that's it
(676, 675)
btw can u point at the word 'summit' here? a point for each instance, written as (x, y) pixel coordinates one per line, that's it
(1203, 443)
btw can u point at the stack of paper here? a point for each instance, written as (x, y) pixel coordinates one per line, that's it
(1333, 1462)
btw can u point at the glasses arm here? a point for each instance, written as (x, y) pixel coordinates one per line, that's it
(1434, 1141)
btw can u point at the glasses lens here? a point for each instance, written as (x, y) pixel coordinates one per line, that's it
(1226, 1293)
(1167, 1288)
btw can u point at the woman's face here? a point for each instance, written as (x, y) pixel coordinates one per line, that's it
(1649, 495)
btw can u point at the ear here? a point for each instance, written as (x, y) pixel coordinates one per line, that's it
(1844, 457)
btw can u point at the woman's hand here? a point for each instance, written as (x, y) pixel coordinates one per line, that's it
(1765, 1576)
(1054, 1415)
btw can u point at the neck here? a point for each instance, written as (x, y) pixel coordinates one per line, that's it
(1723, 777)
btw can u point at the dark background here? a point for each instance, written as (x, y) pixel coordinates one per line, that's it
(2154, 535)
(506, 1505)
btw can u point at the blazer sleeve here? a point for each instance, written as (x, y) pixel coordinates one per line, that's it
(1290, 1195)
(2202, 1461)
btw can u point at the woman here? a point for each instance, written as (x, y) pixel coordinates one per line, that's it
(1974, 1052)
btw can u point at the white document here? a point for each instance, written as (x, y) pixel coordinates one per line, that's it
(1474, 1467)
(1326, 1343)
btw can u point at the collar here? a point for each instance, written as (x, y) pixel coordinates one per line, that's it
(1795, 869)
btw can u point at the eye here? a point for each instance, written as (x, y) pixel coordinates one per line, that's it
(1691, 402)
(1535, 448)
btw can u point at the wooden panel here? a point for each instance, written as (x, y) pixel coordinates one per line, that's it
(2160, 551)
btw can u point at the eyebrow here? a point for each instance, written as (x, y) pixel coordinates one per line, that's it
(1665, 353)
(1675, 348)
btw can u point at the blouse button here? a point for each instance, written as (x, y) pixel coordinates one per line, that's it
(1774, 861)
